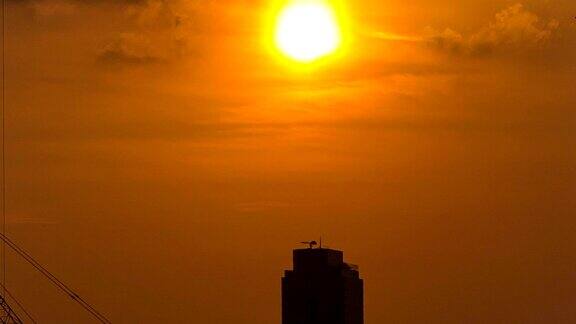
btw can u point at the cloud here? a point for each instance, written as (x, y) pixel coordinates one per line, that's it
(121, 2)
(130, 49)
(53, 8)
(514, 29)
(158, 33)
(143, 32)
(67, 7)
(387, 36)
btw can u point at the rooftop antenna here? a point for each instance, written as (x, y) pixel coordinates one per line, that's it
(310, 244)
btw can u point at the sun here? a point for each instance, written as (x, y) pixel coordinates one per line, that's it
(307, 30)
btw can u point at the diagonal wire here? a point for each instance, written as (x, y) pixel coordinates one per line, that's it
(5, 240)
(57, 282)
(8, 293)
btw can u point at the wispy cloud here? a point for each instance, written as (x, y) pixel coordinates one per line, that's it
(131, 49)
(157, 34)
(513, 29)
(389, 36)
(53, 8)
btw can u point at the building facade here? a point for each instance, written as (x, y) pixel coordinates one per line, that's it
(322, 289)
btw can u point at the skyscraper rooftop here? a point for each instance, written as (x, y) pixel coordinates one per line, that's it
(321, 289)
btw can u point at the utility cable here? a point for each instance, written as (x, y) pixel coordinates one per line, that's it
(57, 282)
(5, 240)
(8, 293)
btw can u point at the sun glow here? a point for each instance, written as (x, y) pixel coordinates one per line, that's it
(307, 30)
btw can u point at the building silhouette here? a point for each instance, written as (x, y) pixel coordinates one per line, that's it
(322, 289)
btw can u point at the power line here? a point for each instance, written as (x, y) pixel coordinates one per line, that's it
(5, 240)
(7, 314)
(8, 293)
(57, 282)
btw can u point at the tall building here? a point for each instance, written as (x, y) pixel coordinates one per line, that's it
(322, 289)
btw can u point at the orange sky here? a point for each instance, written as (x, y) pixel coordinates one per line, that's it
(164, 163)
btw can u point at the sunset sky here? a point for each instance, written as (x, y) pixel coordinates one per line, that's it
(163, 158)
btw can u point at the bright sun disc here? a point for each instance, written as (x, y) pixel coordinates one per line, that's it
(306, 31)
